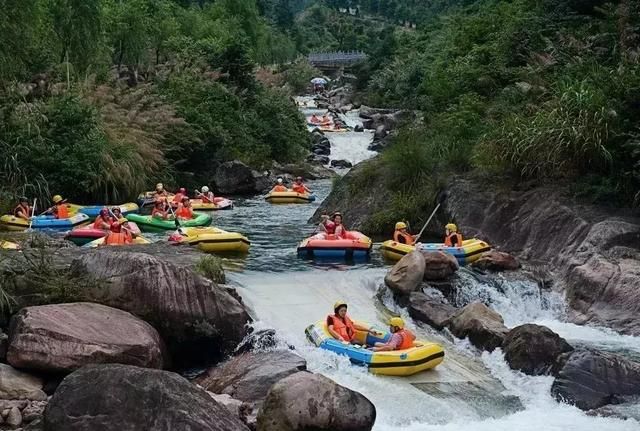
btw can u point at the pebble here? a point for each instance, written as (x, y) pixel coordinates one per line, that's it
(14, 418)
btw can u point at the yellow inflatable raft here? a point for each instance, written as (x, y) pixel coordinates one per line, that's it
(211, 240)
(8, 245)
(100, 242)
(470, 251)
(289, 197)
(422, 356)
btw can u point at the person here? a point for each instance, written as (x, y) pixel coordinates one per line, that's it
(339, 230)
(184, 210)
(23, 210)
(326, 225)
(340, 325)
(314, 119)
(103, 221)
(299, 187)
(402, 235)
(119, 234)
(116, 214)
(159, 211)
(279, 187)
(59, 209)
(206, 195)
(160, 193)
(401, 338)
(325, 119)
(177, 199)
(451, 236)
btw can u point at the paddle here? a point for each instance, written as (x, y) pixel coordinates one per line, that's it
(33, 213)
(441, 198)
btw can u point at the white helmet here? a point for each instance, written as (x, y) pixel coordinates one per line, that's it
(205, 189)
(279, 180)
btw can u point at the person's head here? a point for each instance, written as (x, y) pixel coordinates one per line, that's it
(451, 228)
(57, 199)
(396, 324)
(298, 180)
(340, 308)
(159, 187)
(401, 226)
(182, 190)
(186, 202)
(23, 200)
(104, 213)
(324, 217)
(205, 189)
(279, 180)
(336, 217)
(116, 211)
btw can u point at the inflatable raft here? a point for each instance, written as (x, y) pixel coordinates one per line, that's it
(8, 245)
(85, 234)
(422, 356)
(217, 205)
(148, 198)
(322, 245)
(100, 242)
(289, 197)
(93, 211)
(152, 224)
(211, 240)
(471, 250)
(44, 222)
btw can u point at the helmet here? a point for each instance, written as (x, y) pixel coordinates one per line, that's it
(451, 227)
(185, 198)
(396, 321)
(159, 186)
(104, 211)
(298, 178)
(337, 213)
(23, 199)
(339, 304)
(56, 199)
(114, 209)
(122, 220)
(279, 180)
(401, 225)
(183, 190)
(205, 189)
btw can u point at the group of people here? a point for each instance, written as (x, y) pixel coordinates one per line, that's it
(25, 211)
(452, 238)
(342, 328)
(298, 186)
(332, 225)
(180, 205)
(111, 220)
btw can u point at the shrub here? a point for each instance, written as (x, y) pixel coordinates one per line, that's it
(211, 267)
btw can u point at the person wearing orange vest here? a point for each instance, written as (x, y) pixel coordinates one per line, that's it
(326, 225)
(177, 199)
(23, 210)
(299, 187)
(59, 210)
(451, 236)
(340, 325)
(340, 231)
(403, 236)
(103, 221)
(279, 187)
(159, 211)
(160, 192)
(206, 195)
(401, 338)
(184, 210)
(119, 234)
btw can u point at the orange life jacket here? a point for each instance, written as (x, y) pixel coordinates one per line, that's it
(448, 240)
(184, 212)
(177, 198)
(99, 221)
(26, 210)
(207, 198)
(299, 188)
(403, 238)
(62, 211)
(407, 339)
(157, 211)
(279, 188)
(345, 329)
(118, 238)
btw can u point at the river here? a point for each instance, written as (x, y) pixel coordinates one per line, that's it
(470, 390)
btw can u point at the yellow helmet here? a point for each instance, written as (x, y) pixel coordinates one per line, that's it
(339, 304)
(123, 220)
(396, 321)
(56, 199)
(401, 225)
(451, 227)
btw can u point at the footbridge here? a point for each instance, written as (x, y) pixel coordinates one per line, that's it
(335, 60)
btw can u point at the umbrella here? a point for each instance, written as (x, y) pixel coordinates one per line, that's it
(320, 81)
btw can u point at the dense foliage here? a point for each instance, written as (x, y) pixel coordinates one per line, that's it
(101, 98)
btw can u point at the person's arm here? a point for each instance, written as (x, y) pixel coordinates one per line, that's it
(363, 328)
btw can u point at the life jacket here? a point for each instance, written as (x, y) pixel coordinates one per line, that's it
(99, 221)
(177, 198)
(345, 329)
(279, 188)
(25, 210)
(403, 238)
(62, 211)
(339, 231)
(184, 212)
(407, 339)
(448, 242)
(207, 198)
(118, 238)
(299, 188)
(162, 213)
(330, 227)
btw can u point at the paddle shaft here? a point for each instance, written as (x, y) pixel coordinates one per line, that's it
(428, 220)
(121, 227)
(33, 213)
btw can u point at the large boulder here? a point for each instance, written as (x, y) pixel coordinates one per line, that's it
(439, 265)
(497, 261)
(533, 349)
(590, 379)
(198, 319)
(434, 312)
(484, 327)
(249, 377)
(381, 132)
(64, 337)
(305, 401)
(123, 397)
(234, 177)
(17, 385)
(341, 164)
(406, 275)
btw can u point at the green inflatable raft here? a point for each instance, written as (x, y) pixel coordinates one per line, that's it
(150, 224)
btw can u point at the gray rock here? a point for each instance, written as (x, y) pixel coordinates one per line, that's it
(358, 128)
(484, 327)
(17, 385)
(95, 398)
(341, 164)
(497, 261)
(305, 401)
(438, 265)
(533, 349)
(14, 418)
(234, 177)
(407, 274)
(381, 132)
(431, 311)
(33, 411)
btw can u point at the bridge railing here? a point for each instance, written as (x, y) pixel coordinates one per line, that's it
(336, 57)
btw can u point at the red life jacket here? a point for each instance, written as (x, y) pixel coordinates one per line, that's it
(207, 198)
(330, 227)
(177, 198)
(98, 224)
(345, 328)
(448, 240)
(157, 211)
(340, 232)
(184, 212)
(279, 188)
(299, 188)
(407, 339)
(61, 211)
(118, 238)
(403, 238)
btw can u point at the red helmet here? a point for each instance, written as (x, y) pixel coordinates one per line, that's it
(104, 212)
